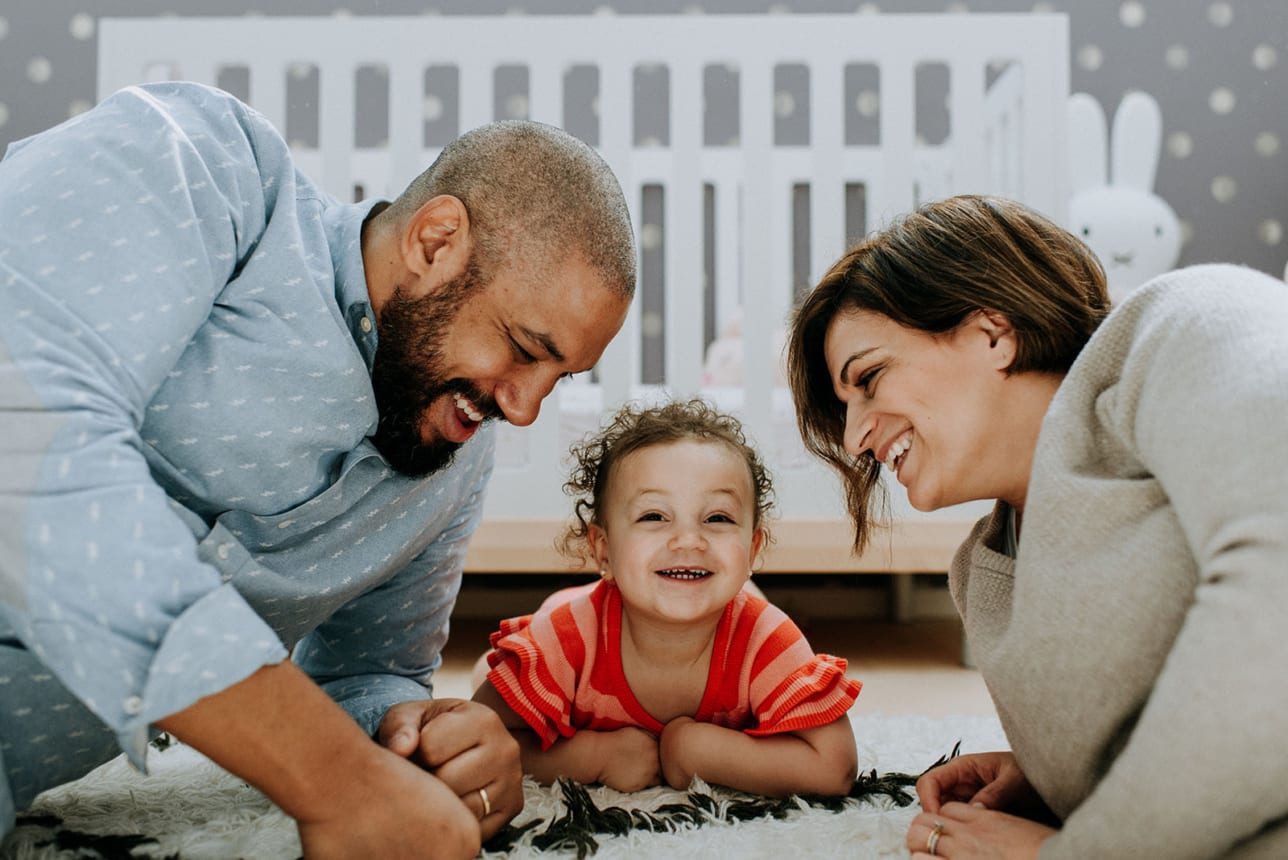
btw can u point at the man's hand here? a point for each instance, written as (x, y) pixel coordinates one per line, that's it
(466, 746)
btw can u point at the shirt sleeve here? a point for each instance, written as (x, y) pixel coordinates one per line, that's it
(384, 647)
(537, 660)
(149, 201)
(1203, 400)
(792, 688)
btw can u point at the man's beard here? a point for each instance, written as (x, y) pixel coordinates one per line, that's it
(407, 375)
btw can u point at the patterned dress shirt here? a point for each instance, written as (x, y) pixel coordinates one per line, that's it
(187, 486)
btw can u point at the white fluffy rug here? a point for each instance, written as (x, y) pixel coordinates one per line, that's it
(196, 811)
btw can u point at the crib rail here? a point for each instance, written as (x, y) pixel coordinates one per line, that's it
(741, 221)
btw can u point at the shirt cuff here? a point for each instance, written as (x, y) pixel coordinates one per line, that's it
(217, 641)
(366, 698)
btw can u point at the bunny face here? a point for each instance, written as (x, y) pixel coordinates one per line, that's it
(1134, 233)
(1131, 229)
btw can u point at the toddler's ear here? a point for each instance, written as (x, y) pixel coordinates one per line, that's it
(757, 544)
(597, 540)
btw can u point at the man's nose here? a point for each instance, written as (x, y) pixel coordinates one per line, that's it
(520, 399)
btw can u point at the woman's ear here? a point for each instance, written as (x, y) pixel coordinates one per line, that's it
(1001, 338)
(597, 540)
(435, 241)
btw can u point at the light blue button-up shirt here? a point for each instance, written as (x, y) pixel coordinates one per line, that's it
(187, 487)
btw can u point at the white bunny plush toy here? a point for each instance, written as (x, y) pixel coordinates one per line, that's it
(1113, 208)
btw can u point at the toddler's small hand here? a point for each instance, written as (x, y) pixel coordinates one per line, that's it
(631, 763)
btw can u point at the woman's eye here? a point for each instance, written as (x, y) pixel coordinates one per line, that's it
(866, 379)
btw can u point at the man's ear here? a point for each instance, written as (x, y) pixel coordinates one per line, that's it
(435, 241)
(1001, 337)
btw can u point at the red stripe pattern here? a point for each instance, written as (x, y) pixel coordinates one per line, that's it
(560, 669)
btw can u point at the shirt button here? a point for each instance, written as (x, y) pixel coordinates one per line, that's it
(365, 325)
(222, 551)
(133, 706)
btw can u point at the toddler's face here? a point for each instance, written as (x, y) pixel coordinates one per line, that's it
(676, 529)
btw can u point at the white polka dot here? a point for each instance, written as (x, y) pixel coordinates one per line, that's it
(1132, 13)
(1180, 144)
(650, 237)
(868, 9)
(779, 9)
(81, 26)
(1270, 231)
(1265, 57)
(4, 114)
(1220, 14)
(515, 10)
(342, 13)
(432, 108)
(1266, 144)
(1090, 57)
(78, 106)
(651, 324)
(39, 70)
(604, 11)
(1224, 189)
(957, 9)
(693, 9)
(516, 106)
(1177, 57)
(784, 104)
(4, 26)
(1222, 100)
(867, 103)
(1187, 232)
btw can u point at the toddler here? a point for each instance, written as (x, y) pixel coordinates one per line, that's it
(667, 667)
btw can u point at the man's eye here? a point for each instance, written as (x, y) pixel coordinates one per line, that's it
(523, 354)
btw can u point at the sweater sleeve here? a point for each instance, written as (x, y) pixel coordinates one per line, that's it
(1203, 402)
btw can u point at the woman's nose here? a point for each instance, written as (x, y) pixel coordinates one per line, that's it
(858, 430)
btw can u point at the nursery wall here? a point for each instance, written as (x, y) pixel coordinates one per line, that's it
(1219, 71)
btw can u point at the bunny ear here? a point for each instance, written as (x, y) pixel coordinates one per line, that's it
(1088, 143)
(1138, 133)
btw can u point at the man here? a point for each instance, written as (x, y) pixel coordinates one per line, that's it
(239, 417)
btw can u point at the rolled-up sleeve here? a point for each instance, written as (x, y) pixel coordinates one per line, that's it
(117, 232)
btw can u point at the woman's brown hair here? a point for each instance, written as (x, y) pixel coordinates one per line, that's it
(931, 270)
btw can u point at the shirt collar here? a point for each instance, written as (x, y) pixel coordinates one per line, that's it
(343, 225)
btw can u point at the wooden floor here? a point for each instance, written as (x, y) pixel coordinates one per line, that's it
(912, 667)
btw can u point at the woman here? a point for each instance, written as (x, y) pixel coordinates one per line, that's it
(1127, 599)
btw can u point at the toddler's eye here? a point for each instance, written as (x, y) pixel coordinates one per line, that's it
(719, 518)
(651, 517)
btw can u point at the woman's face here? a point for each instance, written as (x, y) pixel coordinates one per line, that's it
(928, 407)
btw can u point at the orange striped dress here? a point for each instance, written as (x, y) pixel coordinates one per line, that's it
(560, 669)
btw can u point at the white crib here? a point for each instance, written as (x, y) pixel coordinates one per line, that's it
(744, 220)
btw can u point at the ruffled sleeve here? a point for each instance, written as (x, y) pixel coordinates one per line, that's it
(537, 660)
(815, 694)
(770, 670)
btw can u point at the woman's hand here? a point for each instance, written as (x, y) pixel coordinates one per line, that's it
(968, 832)
(992, 780)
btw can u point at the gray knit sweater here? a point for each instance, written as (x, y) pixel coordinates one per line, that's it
(1137, 648)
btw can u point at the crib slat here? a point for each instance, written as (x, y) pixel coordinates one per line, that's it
(683, 230)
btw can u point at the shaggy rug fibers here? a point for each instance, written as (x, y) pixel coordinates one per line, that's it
(188, 808)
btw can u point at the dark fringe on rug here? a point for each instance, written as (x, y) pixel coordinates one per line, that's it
(583, 820)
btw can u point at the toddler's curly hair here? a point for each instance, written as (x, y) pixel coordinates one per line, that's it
(634, 428)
